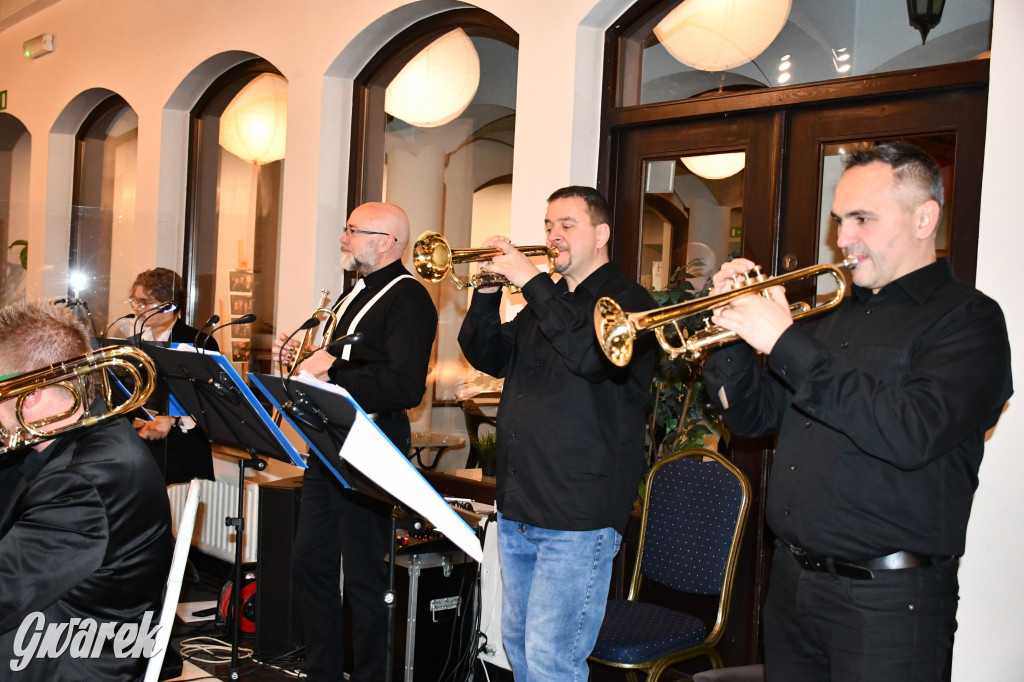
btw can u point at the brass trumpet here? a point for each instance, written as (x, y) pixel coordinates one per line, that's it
(617, 330)
(434, 259)
(324, 313)
(71, 376)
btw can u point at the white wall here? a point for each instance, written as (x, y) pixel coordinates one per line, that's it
(159, 56)
(988, 644)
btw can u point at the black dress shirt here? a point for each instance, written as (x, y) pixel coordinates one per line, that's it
(881, 409)
(570, 423)
(387, 371)
(87, 535)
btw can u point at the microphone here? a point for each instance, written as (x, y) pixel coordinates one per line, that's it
(129, 316)
(217, 380)
(244, 319)
(214, 319)
(299, 406)
(165, 307)
(305, 326)
(348, 340)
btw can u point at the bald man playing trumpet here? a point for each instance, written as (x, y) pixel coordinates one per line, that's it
(386, 373)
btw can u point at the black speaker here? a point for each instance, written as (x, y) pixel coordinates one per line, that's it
(278, 622)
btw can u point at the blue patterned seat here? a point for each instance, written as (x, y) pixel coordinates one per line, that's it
(695, 510)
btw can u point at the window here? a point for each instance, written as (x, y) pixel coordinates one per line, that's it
(15, 144)
(451, 171)
(101, 259)
(675, 50)
(236, 169)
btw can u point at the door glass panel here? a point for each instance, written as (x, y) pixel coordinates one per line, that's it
(941, 146)
(692, 218)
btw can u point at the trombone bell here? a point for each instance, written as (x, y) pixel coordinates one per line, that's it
(617, 330)
(71, 376)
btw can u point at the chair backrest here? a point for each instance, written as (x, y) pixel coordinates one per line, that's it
(186, 525)
(695, 510)
(475, 418)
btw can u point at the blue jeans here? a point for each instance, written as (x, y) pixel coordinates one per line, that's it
(554, 591)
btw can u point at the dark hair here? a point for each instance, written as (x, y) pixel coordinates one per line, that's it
(597, 205)
(909, 164)
(163, 285)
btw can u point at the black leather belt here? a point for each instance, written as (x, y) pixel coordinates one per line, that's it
(384, 416)
(863, 570)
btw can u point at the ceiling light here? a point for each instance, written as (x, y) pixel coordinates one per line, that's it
(715, 166)
(715, 35)
(437, 85)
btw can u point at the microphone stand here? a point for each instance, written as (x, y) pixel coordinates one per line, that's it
(254, 462)
(129, 316)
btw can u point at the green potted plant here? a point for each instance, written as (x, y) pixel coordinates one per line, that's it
(487, 452)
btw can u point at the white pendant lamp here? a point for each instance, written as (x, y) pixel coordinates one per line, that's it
(252, 126)
(437, 85)
(716, 35)
(716, 166)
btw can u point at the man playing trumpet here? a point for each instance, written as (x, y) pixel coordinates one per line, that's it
(570, 436)
(881, 409)
(386, 373)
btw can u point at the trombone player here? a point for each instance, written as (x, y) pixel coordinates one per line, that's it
(881, 409)
(85, 533)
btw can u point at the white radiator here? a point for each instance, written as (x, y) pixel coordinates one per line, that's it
(219, 500)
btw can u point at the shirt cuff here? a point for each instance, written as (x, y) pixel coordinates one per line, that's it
(793, 355)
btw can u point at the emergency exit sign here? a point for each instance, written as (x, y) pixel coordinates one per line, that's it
(3, 100)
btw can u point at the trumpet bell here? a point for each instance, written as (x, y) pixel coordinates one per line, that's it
(614, 331)
(432, 257)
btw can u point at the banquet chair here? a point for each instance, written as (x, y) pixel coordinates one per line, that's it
(172, 591)
(695, 509)
(475, 418)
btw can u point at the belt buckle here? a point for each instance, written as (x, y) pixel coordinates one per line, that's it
(804, 559)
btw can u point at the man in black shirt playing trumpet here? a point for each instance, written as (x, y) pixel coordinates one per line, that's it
(881, 409)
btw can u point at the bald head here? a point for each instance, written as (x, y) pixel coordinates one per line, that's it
(377, 236)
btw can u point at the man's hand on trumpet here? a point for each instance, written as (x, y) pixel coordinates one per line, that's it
(512, 264)
(757, 319)
(316, 364)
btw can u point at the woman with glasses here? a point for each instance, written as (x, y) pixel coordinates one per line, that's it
(181, 449)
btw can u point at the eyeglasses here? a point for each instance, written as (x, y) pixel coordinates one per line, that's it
(141, 303)
(349, 231)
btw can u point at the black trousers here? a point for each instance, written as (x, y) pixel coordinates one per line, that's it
(338, 525)
(819, 627)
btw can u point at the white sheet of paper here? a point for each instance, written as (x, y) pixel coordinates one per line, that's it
(369, 450)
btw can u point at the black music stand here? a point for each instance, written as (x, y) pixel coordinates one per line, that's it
(358, 453)
(209, 389)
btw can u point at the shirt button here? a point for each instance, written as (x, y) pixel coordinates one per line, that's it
(785, 512)
(519, 396)
(792, 468)
(807, 425)
(844, 344)
(867, 312)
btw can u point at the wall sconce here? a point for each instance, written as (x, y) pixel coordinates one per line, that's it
(437, 85)
(38, 46)
(716, 166)
(716, 35)
(925, 15)
(253, 125)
